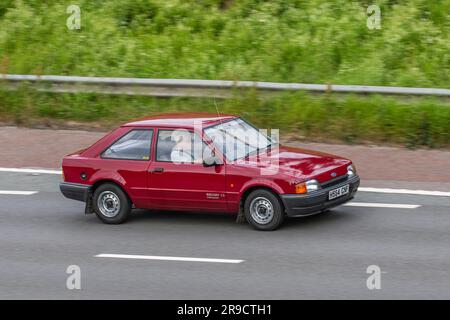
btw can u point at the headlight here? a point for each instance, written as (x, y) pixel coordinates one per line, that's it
(312, 185)
(351, 170)
(308, 186)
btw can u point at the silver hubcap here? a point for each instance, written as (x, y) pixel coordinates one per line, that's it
(261, 210)
(109, 204)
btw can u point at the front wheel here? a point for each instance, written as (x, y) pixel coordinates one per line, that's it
(111, 204)
(263, 210)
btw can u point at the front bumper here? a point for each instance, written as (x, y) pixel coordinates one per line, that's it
(297, 205)
(75, 191)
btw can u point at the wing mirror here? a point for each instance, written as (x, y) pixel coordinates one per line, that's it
(211, 160)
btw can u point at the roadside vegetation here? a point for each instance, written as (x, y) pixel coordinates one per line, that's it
(313, 41)
(333, 118)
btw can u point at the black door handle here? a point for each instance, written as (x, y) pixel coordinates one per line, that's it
(156, 170)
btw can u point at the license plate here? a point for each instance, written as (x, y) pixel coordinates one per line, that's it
(339, 192)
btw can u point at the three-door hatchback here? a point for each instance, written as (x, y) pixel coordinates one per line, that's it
(204, 162)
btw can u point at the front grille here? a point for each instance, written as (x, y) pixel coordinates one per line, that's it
(334, 181)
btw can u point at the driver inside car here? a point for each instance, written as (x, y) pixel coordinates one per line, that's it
(185, 148)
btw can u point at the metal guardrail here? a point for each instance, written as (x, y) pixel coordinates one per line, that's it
(192, 88)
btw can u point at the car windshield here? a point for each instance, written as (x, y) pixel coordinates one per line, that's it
(237, 138)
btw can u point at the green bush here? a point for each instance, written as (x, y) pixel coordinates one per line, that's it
(313, 41)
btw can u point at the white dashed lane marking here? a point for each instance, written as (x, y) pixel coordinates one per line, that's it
(381, 205)
(26, 170)
(17, 193)
(166, 258)
(406, 191)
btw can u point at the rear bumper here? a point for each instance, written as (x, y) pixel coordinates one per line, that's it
(307, 204)
(75, 191)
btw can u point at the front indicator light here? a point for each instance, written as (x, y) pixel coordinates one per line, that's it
(308, 186)
(301, 188)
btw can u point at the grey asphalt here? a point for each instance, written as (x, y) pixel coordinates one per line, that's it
(319, 257)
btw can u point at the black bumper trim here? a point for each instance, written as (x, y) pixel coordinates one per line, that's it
(297, 205)
(75, 191)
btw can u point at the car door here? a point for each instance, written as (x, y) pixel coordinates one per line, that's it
(178, 180)
(126, 161)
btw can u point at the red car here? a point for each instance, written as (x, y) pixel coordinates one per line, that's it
(204, 162)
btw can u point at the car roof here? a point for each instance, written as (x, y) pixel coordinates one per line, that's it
(180, 120)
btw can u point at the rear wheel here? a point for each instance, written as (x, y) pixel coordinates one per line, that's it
(263, 210)
(111, 204)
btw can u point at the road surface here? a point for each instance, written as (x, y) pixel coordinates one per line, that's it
(319, 257)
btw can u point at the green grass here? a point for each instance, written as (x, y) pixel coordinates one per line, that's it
(314, 41)
(350, 119)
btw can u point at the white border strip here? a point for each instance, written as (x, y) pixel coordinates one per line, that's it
(406, 191)
(382, 205)
(24, 170)
(17, 193)
(140, 257)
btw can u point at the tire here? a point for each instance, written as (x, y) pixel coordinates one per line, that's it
(111, 204)
(263, 210)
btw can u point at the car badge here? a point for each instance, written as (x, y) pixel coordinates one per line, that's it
(333, 174)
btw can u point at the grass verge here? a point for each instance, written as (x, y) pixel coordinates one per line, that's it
(411, 122)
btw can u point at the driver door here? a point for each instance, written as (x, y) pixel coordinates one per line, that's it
(177, 178)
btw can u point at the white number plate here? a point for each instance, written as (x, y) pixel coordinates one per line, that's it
(336, 193)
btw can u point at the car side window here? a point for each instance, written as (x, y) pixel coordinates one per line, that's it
(179, 146)
(135, 145)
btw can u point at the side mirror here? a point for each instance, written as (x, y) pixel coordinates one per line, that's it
(211, 160)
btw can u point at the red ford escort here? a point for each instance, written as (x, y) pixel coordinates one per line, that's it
(204, 162)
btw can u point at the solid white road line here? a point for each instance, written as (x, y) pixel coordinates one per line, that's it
(17, 193)
(406, 191)
(362, 189)
(382, 205)
(25, 170)
(132, 256)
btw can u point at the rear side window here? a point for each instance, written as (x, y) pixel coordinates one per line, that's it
(135, 145)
